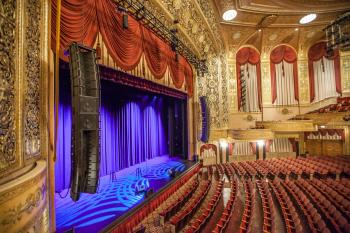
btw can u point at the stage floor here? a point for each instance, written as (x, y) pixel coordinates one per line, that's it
(114, 198)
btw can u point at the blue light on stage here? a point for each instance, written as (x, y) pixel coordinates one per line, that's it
(114, 198)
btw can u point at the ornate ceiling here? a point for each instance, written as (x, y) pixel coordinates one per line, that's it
(278, 21)
(202, 28)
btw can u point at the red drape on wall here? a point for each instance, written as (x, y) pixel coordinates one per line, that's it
(316, 52)
(253, 146)
(251, 56)
(280, 53)
(330, 132)
(207, 147)
(268, 144)
(294, 144)
(82, 20)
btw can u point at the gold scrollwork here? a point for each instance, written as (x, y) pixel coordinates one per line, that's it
(32, 68)
(32, 201)
(7, 81)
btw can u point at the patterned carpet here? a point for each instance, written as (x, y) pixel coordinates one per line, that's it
(115, 196)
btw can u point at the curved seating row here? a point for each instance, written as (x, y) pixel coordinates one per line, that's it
(248, 207)
(226, 215)
(179, 203)
(181, 218)
(207, 211)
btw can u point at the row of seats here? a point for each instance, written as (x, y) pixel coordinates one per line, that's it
(248, 207)
(226, 215)
(179, 203)
(321, 166)
(267, 206)
(207, 211)
(342, 105)
(332, 216)
(339, 201)
(180, 219)
(290, 216)
(309, 211)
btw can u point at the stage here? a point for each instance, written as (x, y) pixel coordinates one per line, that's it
(115, 196)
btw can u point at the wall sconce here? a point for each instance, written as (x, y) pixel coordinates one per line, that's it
(261, 142)
(223, 143)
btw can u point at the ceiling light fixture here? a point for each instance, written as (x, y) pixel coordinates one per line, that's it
(229, 15)
(307, 18)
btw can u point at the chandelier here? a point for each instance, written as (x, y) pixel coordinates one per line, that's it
(338, 34)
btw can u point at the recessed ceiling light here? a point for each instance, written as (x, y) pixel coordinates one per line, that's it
(307, 18)
(296, 29)
(229, 15)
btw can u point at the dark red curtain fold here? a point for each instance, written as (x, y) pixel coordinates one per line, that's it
(253, 146)
(78, 23)
(294, 144)
(316, 52)
(268, 145)
(124, 45)
(82, 20)
(280, 53)
(156, 53)
(251, 56)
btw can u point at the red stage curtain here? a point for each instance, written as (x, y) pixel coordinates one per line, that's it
(156, 53)
(82, 20)
(78, 24)
(251, 56)
(124, 45)
(316, 52)
(280, 53)
(177, 70)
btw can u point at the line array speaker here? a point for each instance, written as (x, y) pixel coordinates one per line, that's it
(205, 119)
(85, 150)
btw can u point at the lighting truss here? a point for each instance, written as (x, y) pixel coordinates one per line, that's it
(139, 11)
(338, 34)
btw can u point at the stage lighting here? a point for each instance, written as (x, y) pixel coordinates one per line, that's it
(172, 172)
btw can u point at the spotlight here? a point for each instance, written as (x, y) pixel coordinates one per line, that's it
(223, 143)
(125, 20)
(229, 15)
(308, 18)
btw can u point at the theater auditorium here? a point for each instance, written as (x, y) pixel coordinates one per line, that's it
(174, 116)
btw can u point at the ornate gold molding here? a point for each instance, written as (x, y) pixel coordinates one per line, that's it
(32, 76)
(251, 134)
(23, 200)
(8, 39)
(288, 126)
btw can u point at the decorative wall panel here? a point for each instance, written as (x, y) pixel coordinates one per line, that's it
(345, 72)
(8, 158)
(303, 78)
(266, 82)
(32, 75)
